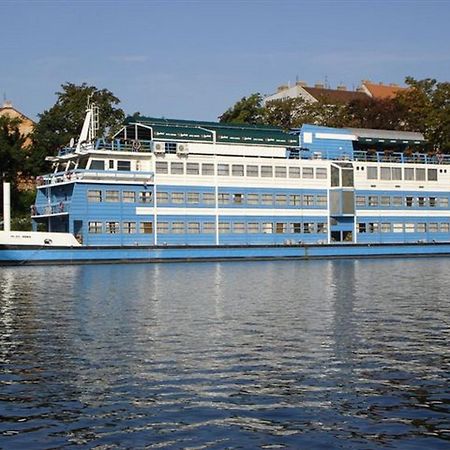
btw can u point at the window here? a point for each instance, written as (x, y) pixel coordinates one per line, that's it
(266, 171)
(422, 201)
(432, 202)
(385, 173)
(176, 168)
(409, 201)
(237, 170)
(280, 172)
(124, 165)
(97, 164)
(296, 227)
(432, 174)
(161, 167)
(280, 199)
(444, 227)
(111, 164)
(252, 199)
(267, 199)
(223, 198)
(433, 227)
(360, 200)
(178, 227)
(397, 201)
(321, 173)
(177, 197)
(146, 227)
(396, 173)
(238, 198)
(373, 200)
(128, 196)
(397, 227)
(207, 169)
(373, 227)
(112, 196)
(385, 200)
(409, 174)
(193, 197)
(280, 228)
(420, 174)
(295, 199)
(252, 171)
(267, 227)
(162, 197)
(308, 227)
(239, 227)
(294, 172)
(409, 228)
(308, 172)
(223, 170)
(193, 227)
(308, 200)
(322, 227)
(372, 173)
(95, 227)
(224, 227)
(321, 200)
(209, 227)
(163, 227)
(253, 227)
(145, 196)
(112, 227)
(192, 169)
(170, 147)
(94, 196)
(209, 198)
(443, 202)
(421, 227)
(129, 227)
(361, 227)
(385, 227)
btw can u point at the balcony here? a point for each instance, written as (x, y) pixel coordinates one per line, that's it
(50, 209)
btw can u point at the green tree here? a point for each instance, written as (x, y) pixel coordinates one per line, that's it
(64, 120)
(247, 110)
(12, 154)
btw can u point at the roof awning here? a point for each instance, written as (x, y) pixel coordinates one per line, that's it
(387, 137)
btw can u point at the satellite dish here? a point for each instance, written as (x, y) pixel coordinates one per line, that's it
(72, 142)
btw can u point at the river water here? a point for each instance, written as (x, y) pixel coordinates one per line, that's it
(317, 354)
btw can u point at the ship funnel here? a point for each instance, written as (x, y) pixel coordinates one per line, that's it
(6, 206)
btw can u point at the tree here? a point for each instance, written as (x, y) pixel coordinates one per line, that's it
(12, 155)
(64, 119)
(247, 110)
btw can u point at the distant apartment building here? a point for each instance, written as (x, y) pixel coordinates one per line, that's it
(340, 95)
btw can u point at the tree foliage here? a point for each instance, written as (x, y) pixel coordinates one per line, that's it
(64, 119)
(12, 155)
(247, 110)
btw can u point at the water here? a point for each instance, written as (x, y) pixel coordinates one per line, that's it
(322, 354)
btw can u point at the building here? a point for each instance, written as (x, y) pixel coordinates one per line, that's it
(340, 95)
(26, 125)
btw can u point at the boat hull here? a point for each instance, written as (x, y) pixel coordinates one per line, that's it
(34, 255)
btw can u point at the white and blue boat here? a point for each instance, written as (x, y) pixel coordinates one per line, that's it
(168, 190)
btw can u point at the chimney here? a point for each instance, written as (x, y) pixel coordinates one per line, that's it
(7, 104)
(301, 83)
(394, 85)
(319, 86)
(283, 87)
(342, 87)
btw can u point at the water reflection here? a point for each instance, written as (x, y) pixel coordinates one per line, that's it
(316, 354)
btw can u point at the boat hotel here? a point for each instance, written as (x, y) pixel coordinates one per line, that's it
(166, 189)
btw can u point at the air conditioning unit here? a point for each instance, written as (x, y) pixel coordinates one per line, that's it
(182, 149)
(159, 148)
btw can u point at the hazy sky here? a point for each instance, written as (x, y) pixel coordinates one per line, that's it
(193, 59)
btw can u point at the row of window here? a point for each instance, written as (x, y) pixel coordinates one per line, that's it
(420, 227)
(223, 198)
(114, 227)
(120, 165)
(240, 170)
(401, 173)
(408, 201)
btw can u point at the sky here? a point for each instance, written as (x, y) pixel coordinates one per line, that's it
(194, 59)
